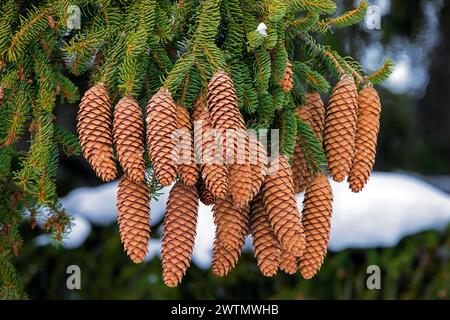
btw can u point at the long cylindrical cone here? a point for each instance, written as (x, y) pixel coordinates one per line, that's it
(94, 127)
(267, 248)
(317, 209)
(161, 126)
(281, 206)
(129, 131)
(134, 217)
(179, 230)
(369, 111)
(340, 128)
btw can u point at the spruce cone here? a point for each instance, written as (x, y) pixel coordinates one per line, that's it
(241, 184)
(214, 171)
(267, 248)
(179, 232)
(287, 82)
(301, 174)
(94, 130)
(281, 206)
(161, 126)
(258, 165)
(232, 226)
(187, 168)
(317, 209)
(366, 138)
(129, 137)
(134, 217)
(223, 260)
(222, 103)
(227, 119)
(206, 197)
(316, 109)
(288, 262)
(340, 128)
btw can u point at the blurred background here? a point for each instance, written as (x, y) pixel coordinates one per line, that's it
(401, 221)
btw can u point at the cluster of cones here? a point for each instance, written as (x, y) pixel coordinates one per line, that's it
(251, 196)
(348, 129)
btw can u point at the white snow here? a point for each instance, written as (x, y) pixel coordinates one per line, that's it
(391, 206)
(262, 29)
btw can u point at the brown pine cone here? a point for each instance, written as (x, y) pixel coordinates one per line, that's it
(128, 129)
(238, 158)
(161, 126)
(214, 170)
(300, 170)
(206, 197)
(288, 262)
(187, 168)
(287, 82)
(133, 205)
(222, 103)
(301, 173)
(258, 165)
(317, 110)
(340, 128)
(232, 226)
(317, 209)
(223, 260)
(281, 206)
(369, 111)
(179, 230)
(227, 119)
(267, 248)
(94, 123)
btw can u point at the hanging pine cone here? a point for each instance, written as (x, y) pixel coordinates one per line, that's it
(128, 129)
(316, 108)
(366, 138)
(227, 119)
(281, 206)
(223, 260)
(232, 226)
(134, 217)
(94, 131)
(317, 209)
(287, 82)
(161, 126)
(301, 173)
(241, 185)
(222, 103)
(179, 230)
(214, 171)
(187, 168)
(258, 165)
(267, 248)
(340, 128)
(288, 262)
(206, 197)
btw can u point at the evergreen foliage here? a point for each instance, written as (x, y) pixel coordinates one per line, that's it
(134, 48)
